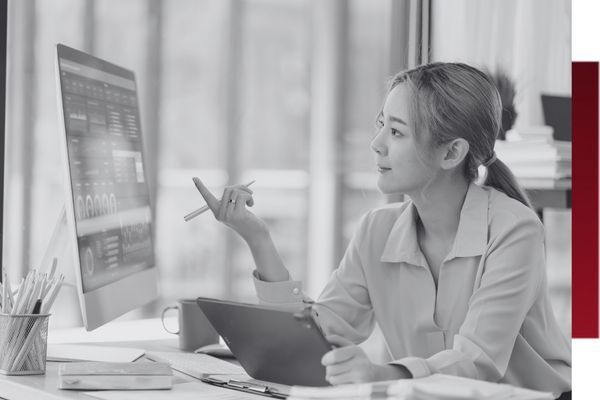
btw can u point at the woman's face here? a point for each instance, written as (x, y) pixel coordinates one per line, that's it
(399, 161)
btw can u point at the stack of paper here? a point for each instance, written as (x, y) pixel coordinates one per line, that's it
(446, 387)
(83, 352)
(441, 387)
(536, 158)
(195, 365)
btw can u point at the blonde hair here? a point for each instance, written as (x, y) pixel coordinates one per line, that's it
(455, 100)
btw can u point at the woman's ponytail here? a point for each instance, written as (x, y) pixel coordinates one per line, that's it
(500, 177)
(455, 100)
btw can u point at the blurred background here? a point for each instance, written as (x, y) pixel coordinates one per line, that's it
(284, 92)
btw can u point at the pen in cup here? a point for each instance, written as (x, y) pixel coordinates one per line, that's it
(201, 210)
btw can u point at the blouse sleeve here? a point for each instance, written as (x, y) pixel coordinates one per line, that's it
(344, 306)
(497, 309)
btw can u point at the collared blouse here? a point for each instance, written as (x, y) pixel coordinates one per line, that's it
(488, 318)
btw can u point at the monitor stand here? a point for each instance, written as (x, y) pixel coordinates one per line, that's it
(58, 243)
(59, 248)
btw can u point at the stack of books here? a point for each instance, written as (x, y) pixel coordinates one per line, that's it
(536, 157)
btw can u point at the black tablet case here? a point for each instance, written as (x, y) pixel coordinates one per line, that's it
(271, 344)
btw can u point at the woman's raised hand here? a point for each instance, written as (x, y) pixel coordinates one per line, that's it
(231, 209)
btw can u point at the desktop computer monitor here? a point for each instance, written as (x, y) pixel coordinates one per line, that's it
(108, 213)
(557, 114)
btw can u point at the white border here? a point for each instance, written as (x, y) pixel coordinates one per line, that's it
(585, 30)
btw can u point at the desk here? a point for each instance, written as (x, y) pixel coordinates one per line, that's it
(43, 387)
(40, 387)
(548, 193)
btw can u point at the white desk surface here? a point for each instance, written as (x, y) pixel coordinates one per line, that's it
(145, 334)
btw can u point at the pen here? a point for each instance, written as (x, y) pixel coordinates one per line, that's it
(201, 210)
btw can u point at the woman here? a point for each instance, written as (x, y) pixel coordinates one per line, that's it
(455, 276)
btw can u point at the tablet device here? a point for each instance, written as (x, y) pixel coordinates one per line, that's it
(271, 344)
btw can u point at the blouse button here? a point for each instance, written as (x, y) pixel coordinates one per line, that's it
(296, 290)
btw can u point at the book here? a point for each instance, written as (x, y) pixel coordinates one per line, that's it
(536, 158)
(115, 376)
(533, 149)
(557, 170)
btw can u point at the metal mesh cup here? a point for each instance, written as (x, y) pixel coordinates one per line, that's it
(23, 343)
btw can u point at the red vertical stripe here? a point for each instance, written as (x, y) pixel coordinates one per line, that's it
(585, 200)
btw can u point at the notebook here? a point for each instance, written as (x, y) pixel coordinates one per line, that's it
(115, 376)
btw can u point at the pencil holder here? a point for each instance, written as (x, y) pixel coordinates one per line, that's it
(23, 342)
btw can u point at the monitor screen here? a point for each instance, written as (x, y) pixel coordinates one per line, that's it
(557, 114)
(109, 196)
(111, 199)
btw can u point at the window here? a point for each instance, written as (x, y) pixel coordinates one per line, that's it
(226, 94)
(283, 92)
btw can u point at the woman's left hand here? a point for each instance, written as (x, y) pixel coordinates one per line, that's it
(349, 364)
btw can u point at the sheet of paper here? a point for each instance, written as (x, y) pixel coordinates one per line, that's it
(355, 391)
(195, 364)
(183, 391)
(454, 387)
(432, 387)
(82, 352)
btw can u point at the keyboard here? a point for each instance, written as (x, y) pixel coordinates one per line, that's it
(195, 365)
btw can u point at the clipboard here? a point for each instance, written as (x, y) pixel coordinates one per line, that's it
(246, 386)
(272, 345)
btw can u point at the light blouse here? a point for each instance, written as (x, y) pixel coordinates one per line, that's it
(488, 318)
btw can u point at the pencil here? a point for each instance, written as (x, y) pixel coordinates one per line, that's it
(3, 286)
(53, 267)
(202, 210)
(22, 344)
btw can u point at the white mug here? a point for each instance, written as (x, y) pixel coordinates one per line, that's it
(194, 329)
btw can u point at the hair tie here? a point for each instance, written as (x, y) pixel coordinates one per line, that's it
(490, 160)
